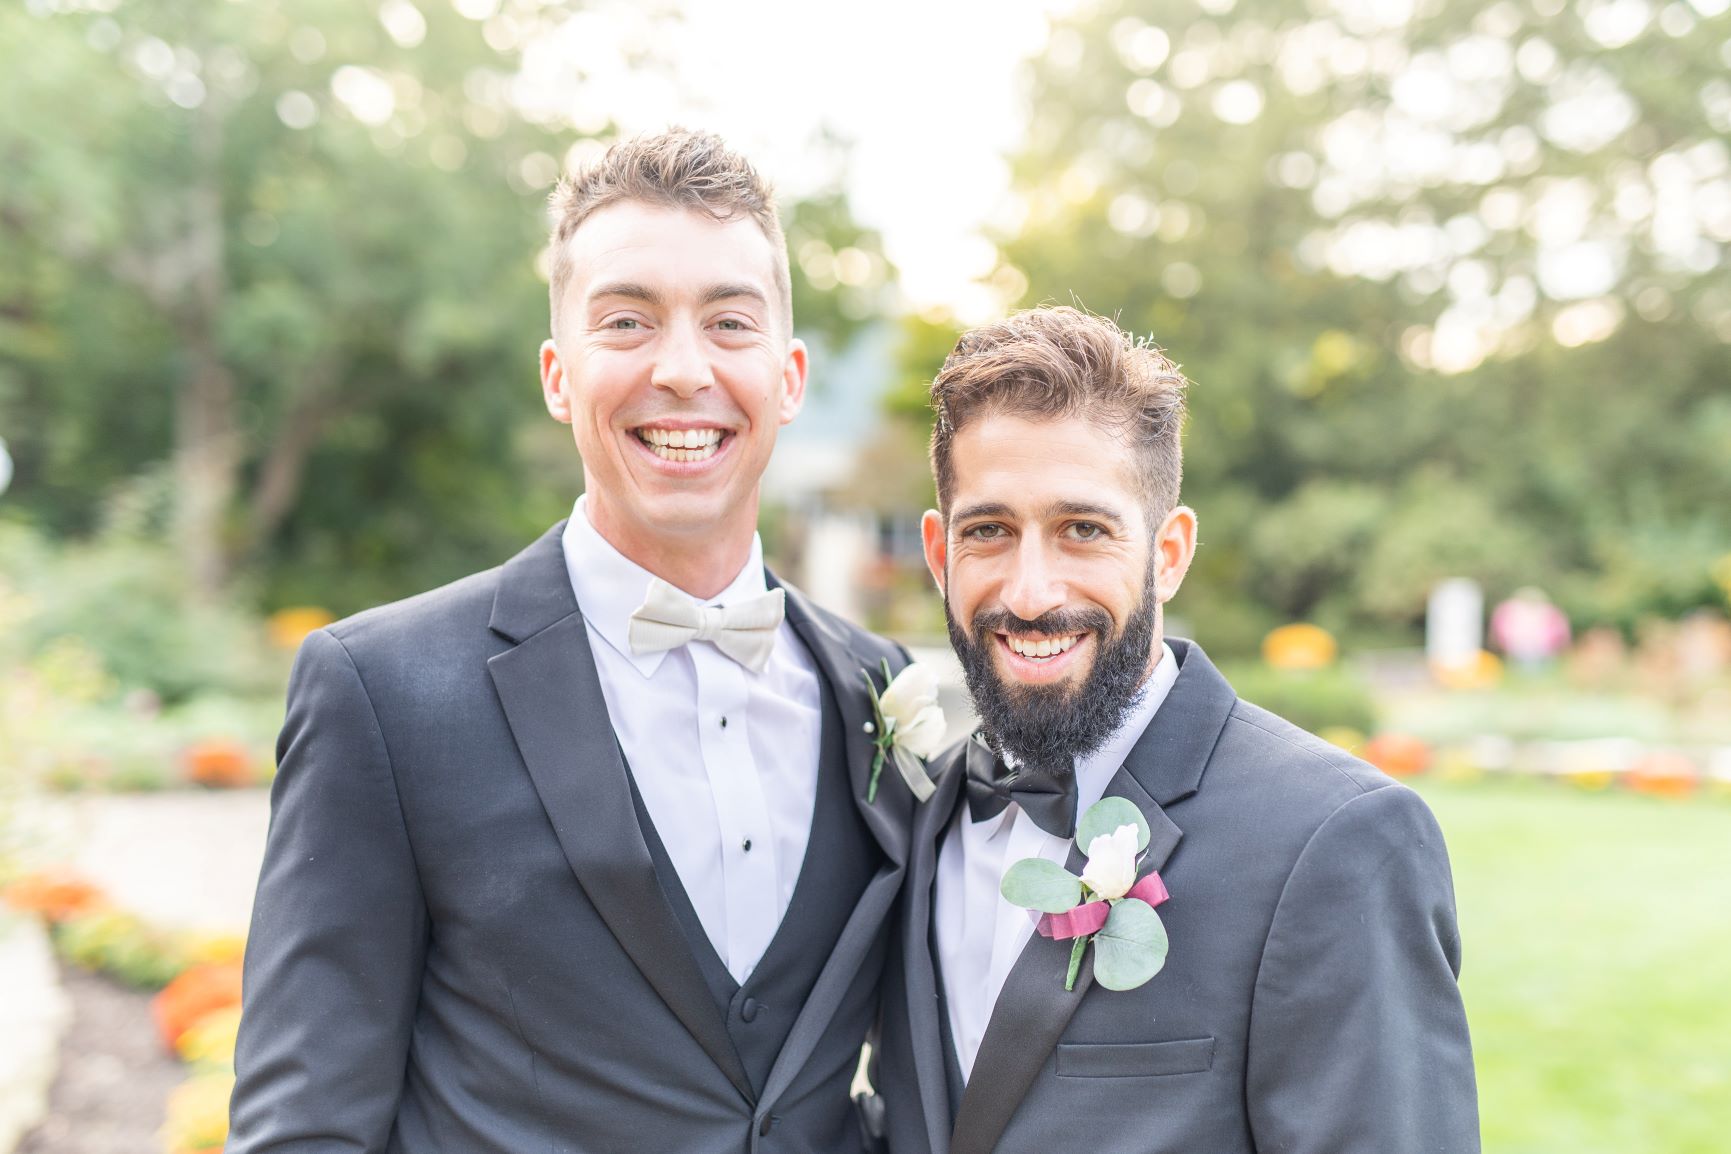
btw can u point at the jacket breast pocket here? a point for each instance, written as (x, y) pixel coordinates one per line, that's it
(1134, 1059)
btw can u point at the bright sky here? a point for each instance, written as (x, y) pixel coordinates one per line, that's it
(927, 91)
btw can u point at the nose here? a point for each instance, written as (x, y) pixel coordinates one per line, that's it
(681, 365)
(1034, 585)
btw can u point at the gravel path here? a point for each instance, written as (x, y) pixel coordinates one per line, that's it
(114, 1075)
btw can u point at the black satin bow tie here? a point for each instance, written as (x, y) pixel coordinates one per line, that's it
(1047, 799)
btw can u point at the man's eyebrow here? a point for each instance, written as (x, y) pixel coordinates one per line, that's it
(1084, 509)
(625, 288)
(1055, 509)
(714, 294)
(982, 509)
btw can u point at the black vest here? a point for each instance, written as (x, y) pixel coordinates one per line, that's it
(841, 859)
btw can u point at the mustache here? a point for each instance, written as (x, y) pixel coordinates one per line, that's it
(1049, 624)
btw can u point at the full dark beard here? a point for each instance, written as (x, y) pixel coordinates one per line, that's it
(1046, 727)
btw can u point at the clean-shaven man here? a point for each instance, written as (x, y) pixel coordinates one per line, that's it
(575, 854)
(1307, 1003)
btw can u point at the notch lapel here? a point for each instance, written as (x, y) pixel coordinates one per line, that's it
(890, 815)
(552, 699)
(1032, 1011)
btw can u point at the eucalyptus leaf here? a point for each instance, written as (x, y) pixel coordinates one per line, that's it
(1131, 947)
(1105, 816)
(1037, 884)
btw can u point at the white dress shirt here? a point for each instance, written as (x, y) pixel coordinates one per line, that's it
(980, 935)
(726, 759)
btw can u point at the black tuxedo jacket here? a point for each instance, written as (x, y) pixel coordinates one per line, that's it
(462, 940)
(1308, 1004)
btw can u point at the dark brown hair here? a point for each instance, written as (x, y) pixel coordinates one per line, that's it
(679, 168)
(1055, 363)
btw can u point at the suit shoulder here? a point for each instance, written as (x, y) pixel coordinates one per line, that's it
(455, 608)
(868, 646)
(1293, 763)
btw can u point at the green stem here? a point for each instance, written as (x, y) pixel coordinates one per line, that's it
(877, 768)
(1075, 961)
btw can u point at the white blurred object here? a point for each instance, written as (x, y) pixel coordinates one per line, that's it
(836, 549)
(1454, 626)
(5, 466)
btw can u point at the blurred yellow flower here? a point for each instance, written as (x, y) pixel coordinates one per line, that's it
(1481, 670)
(198, 1114)
(210, 1040)
(1344, 736)
(208, 947)
(1299, 646)
(287, 628)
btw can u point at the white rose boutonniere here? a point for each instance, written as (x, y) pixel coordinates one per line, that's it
(907, 727)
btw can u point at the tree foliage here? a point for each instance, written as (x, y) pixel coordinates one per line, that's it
(1447, 279)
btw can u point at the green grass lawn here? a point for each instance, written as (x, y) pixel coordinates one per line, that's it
(1597, 965)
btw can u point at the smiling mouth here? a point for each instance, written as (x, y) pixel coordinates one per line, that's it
(682, 445)
(1041, 649)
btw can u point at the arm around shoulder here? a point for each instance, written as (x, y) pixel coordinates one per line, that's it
(339, 929)
(1358, 1038)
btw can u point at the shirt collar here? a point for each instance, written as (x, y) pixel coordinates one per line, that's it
(610, 586)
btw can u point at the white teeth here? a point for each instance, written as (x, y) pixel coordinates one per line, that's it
(681, 444)
(1046, 647)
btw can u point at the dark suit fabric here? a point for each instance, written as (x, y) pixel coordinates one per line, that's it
(1308, 1004)
(461, 941)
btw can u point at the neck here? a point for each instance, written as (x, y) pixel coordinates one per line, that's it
(701, 562)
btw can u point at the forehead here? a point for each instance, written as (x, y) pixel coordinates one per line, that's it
(1030, 465)
(670, 249)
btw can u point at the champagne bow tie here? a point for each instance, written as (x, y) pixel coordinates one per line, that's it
(745, 630)
(1048, 799)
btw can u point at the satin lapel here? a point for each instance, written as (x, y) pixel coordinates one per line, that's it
(887, 820)
(553, 701)
(891, 814)
(920, 966)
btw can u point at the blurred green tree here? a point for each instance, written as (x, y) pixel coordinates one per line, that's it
(1447, 276)
(274, 267)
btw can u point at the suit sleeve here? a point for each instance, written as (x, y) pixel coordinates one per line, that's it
(1358, 1039)
(339, 931)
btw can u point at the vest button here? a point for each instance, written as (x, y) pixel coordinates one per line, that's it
(748, 1011)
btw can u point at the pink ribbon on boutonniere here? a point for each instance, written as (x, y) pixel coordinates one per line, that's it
(1089, 917)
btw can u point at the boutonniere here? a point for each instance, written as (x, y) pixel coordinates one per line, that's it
(1107, 905)
(907, 726)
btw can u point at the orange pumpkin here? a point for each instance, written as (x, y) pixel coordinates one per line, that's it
(1664, 773)
(1299, 646)
(1397, 754)
(287, 628)
(219, 764)
(198, 991)
(55, 897)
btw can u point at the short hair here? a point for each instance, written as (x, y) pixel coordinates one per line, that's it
(679, 168)
(1055, 363)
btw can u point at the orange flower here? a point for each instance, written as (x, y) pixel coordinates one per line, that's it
(54, 896)
(1299, 646)
(195, 993)
(289, 627)
(1397, 754)
(220, 764)
(1664, 773)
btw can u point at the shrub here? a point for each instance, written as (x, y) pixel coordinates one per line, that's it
(1313, 699)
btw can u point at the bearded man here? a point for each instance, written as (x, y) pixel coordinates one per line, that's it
(1295, 990)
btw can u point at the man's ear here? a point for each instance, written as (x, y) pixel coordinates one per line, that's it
(937, 544)
(553, 383)
(793, 373)
(1174, 549)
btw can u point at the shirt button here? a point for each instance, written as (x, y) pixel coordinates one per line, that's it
(745, 845)
(748, 1011)
(724, 723)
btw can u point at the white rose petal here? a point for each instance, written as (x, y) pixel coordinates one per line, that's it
(924, 735)
(914, 688)
(1111, 868)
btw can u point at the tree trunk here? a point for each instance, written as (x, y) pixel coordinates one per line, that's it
(207, 444)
